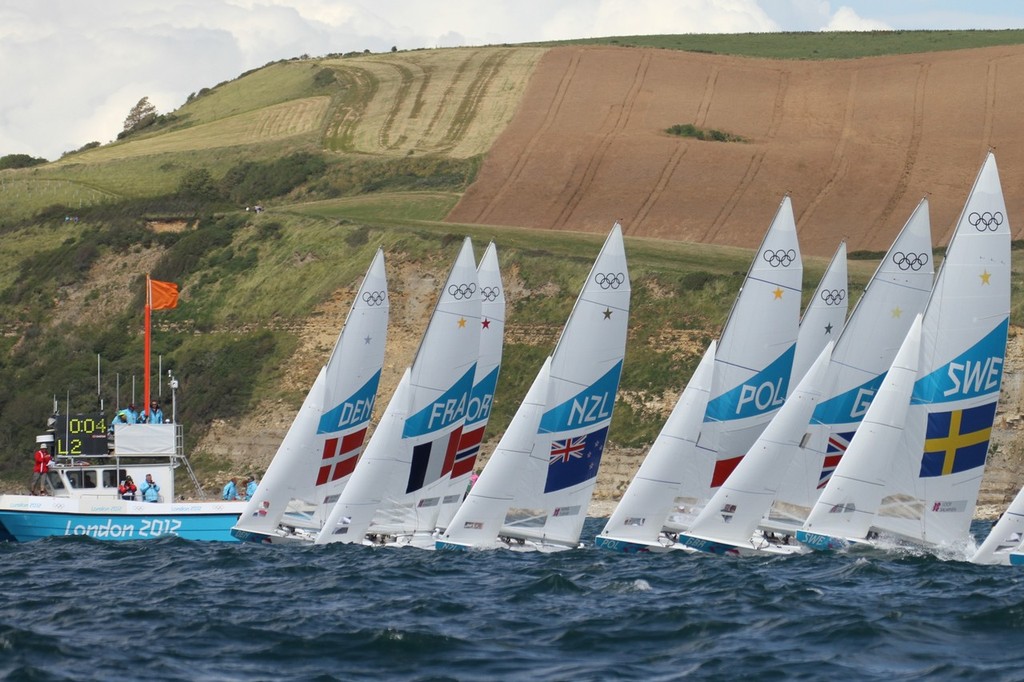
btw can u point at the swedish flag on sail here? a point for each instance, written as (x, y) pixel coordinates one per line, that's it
(957, 441)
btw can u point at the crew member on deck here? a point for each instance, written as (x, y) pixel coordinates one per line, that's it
(41, 470)
(127, 489)
(150, 490)
(250, 487)
(230, 491)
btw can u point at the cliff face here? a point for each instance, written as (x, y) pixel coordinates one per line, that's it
(855, 142)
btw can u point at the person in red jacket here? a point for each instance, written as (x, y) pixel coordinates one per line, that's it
(127, 489)
(41, 470)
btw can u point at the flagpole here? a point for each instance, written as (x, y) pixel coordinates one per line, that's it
(146, 344)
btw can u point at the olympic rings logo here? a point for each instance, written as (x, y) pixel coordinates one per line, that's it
(490, 293)
(374, 298)
(610, 280)
(910, 261)
(986, 221)
(462, 291)
(779, 257)
(833, 296)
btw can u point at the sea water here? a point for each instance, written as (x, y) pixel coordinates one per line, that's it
(81, 609)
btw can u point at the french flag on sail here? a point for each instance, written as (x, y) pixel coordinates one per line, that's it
(341, 459)
(469, 447)
(837, 444)
(574, 460)
(432, 460)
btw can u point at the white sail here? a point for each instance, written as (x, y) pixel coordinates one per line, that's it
(492, 339)
(753, 362)
(637, 520)
(478, 521)
(323, 444)
(728, 521)
(897, 292)
(963, 346)
(1005, 537)
(550, 495)
(847, 506)
(825, 315)
(397, 485)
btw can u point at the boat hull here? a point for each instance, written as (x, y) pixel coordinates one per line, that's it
(628, 546)
(24, 518)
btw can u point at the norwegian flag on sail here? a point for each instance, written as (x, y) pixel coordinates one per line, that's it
(837, 444)
(341, 459)
(469, 447)
(432, 460)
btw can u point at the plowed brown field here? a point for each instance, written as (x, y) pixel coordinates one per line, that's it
(856, 143)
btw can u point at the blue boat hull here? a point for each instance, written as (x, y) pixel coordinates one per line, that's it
(25, 526)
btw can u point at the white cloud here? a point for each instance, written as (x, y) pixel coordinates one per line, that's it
(845, 19)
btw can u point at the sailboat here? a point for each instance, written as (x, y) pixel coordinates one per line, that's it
(728, 522)
(937, 465)
(825, 315)
(534, 492)
(897, 291)
(1003, 544)
(952, 409)
(636, 523)
(478, 410)
(749, 374)
(396, 488)
(844, 512)
(323, 444)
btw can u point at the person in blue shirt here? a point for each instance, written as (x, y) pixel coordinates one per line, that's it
(156, 415)
(230, 491)
(250, 487)
(132, 413)
(150, 490)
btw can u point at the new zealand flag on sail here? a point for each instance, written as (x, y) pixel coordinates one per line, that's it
(957, 441)
(574, 460)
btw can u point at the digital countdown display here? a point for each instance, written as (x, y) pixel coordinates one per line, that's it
(80, 434)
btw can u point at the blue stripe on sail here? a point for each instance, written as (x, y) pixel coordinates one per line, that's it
(590, 406)
(481, 398)
(848, 407)
(352, 411)
(447, 409)
(976, 372)
(763, 392)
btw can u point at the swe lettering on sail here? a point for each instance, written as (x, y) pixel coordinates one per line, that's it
(972, 377)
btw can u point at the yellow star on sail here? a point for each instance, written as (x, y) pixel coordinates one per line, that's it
(778, 292)
(462, 322)
(896, 312)
(985, 277)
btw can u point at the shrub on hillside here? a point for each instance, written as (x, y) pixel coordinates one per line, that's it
(20, 161)
(254, 181)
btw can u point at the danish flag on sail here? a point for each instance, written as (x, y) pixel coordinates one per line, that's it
(432, 460)
(342, 460)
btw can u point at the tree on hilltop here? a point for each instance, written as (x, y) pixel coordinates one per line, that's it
(141, 115)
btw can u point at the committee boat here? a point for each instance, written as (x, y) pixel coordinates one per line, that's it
(83, 497)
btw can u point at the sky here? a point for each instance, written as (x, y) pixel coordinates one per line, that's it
(71, 70)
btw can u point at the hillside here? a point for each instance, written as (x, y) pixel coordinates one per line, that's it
(856, 143)
(537, 147)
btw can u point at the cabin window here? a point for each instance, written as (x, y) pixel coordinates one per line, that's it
(113, 477)
(82, 479)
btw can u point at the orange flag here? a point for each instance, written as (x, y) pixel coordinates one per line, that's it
(162, 295)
